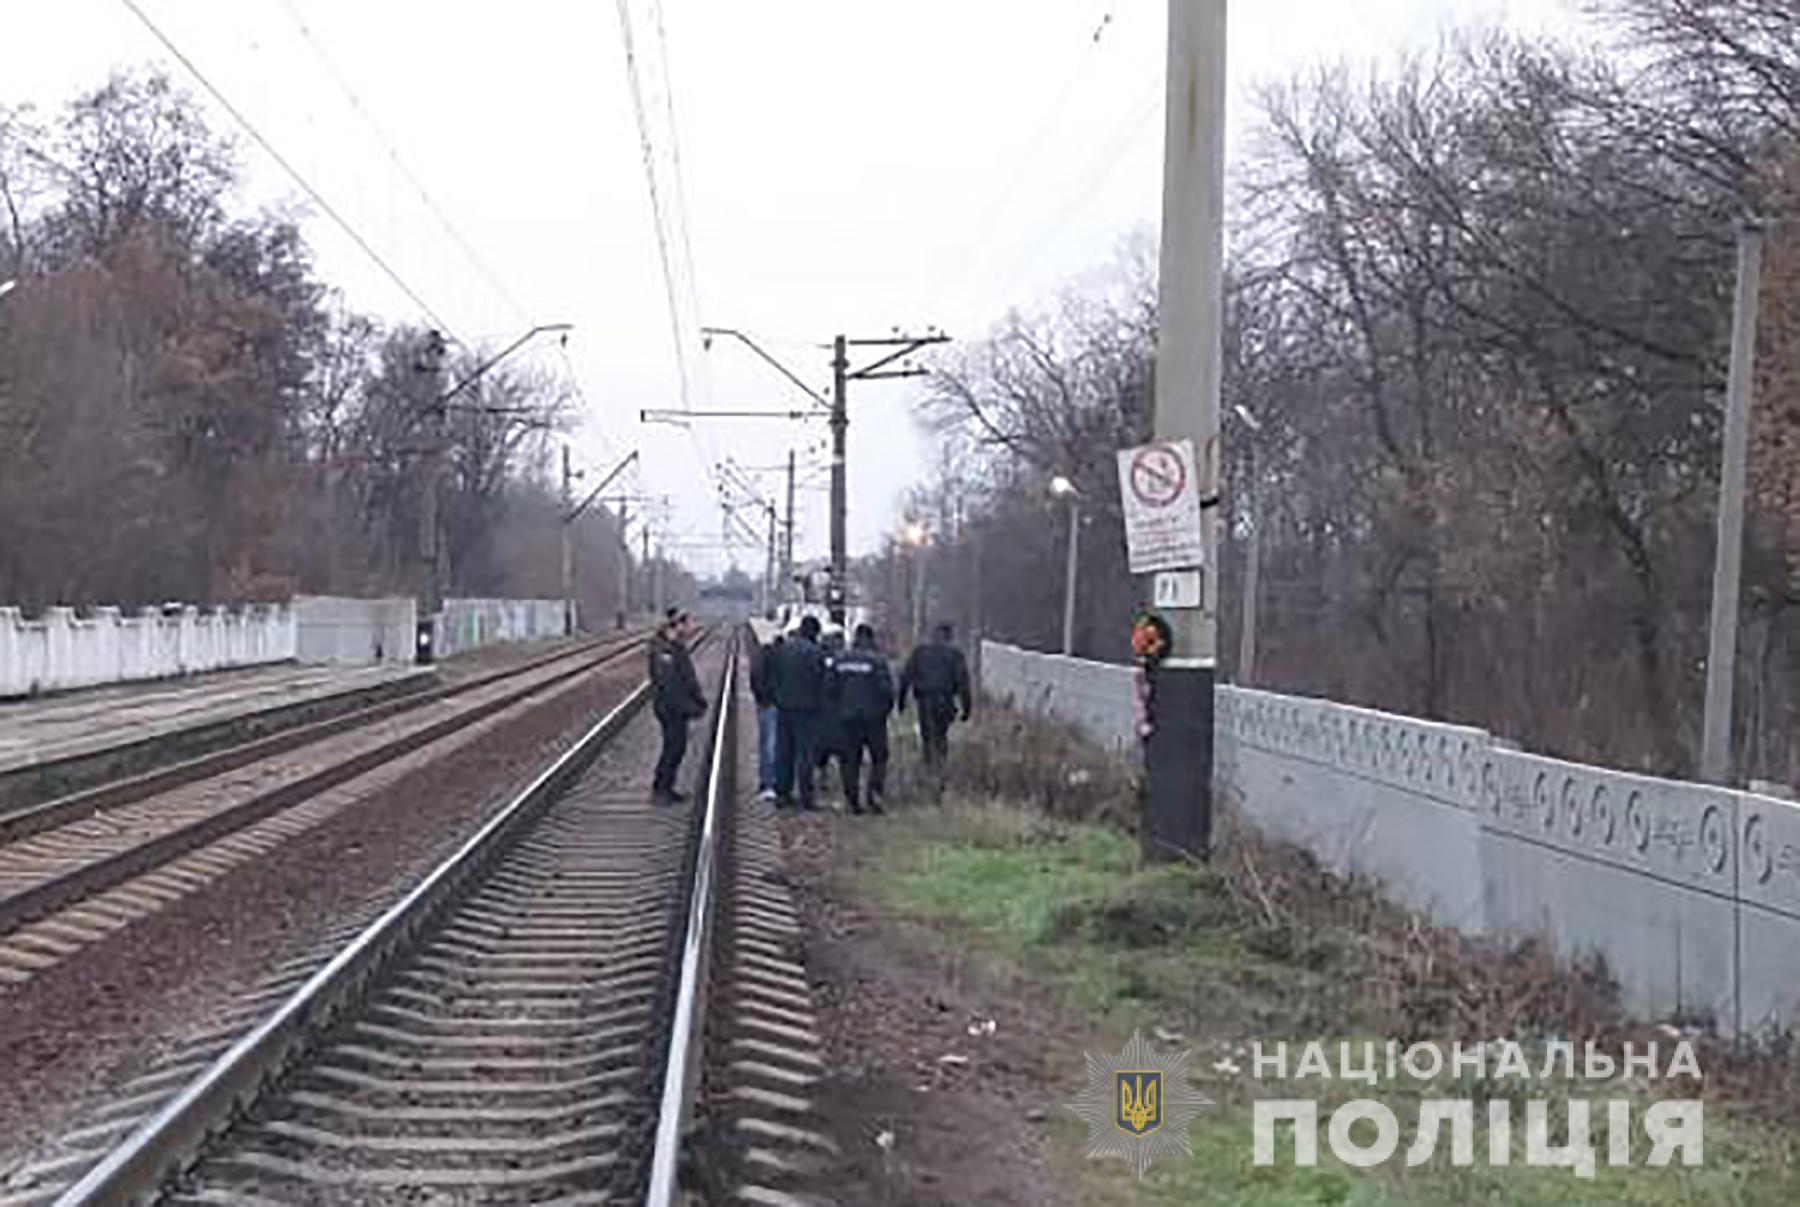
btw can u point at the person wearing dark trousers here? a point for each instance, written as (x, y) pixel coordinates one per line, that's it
(676, 699)
(938, 676)
(862, 696)
(800, 671)
(768, 717)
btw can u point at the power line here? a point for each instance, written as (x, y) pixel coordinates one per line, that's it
(1031, 146)
(656, 206)
(281, 160)
(437, 211)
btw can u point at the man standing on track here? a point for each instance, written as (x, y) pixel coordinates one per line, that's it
(800, 696)
(937, 674)
(768, 717)
(676, 698)
(862, 691)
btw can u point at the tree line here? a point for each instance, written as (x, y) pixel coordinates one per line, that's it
(1479, 305)
(188, 412)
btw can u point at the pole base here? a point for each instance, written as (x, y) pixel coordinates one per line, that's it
(1178, 763)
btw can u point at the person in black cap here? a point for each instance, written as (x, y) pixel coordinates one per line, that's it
(799, 675)
(862, 692)
(676, 698)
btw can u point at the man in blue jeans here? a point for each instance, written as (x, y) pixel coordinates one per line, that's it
(800, 671)
(768, 717)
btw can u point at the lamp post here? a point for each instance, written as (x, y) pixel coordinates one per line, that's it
(916, 537)
(1253, 555)
(1065, 489)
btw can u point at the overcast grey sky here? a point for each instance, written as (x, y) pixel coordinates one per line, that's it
(845, 165)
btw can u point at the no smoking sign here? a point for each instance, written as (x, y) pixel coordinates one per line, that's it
(1158, 476)
(1158, 487)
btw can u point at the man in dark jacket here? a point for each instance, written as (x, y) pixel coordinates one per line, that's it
(768, 717)
(799, 670)
(937, 674)
(676, 698)
(862, 691)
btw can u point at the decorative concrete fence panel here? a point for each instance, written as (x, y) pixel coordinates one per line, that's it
(359, 632)
(1095, 697)
(470, 624)
(61, 650)
(1690, 893)
(1368, 793)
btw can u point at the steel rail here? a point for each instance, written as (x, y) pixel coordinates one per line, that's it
(137, 1169)
(686, 1033)
(89, 879)
(33, 819)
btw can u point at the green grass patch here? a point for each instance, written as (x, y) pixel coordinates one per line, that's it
(1068, 907)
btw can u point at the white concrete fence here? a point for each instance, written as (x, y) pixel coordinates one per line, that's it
(469, 624)
(356, 632)
(1690, 893)
(62, 650)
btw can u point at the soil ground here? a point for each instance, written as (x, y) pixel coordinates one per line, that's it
(945, 1080)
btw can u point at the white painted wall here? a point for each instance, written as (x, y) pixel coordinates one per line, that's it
(1691, 893)
(357, 632)
(61, 650)
(470, 624)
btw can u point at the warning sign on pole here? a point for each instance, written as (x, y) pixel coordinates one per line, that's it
(1161, 492)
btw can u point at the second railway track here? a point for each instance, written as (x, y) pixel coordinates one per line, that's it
(154, 839)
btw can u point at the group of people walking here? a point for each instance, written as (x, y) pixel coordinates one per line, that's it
(816, 700)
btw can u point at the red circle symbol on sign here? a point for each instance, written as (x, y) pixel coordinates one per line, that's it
(1158, 476)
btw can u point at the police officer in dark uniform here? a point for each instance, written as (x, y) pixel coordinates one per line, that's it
(937, 674)
(862, 691)
(799, 675)
(675, 697)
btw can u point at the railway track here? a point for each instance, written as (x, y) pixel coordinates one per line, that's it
(79, 868)
(594, 1000)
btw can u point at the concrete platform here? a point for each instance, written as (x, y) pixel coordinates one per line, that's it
(72, 725)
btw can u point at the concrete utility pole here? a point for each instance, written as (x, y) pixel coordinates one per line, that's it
(568, 545)
(571, 514)
(429, 367)
(434, 564)
(1721, 657)
(624, 566)
(837, 595)
(1178, 754)
(837, 410)
(787, 538)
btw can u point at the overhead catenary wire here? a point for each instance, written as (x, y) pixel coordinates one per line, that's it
(1030, 155)
(476, 260)
(281, 161)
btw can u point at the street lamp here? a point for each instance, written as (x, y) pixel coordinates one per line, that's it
(7, 286)
(1253, 555)
(916, 536)
(1062, 488)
